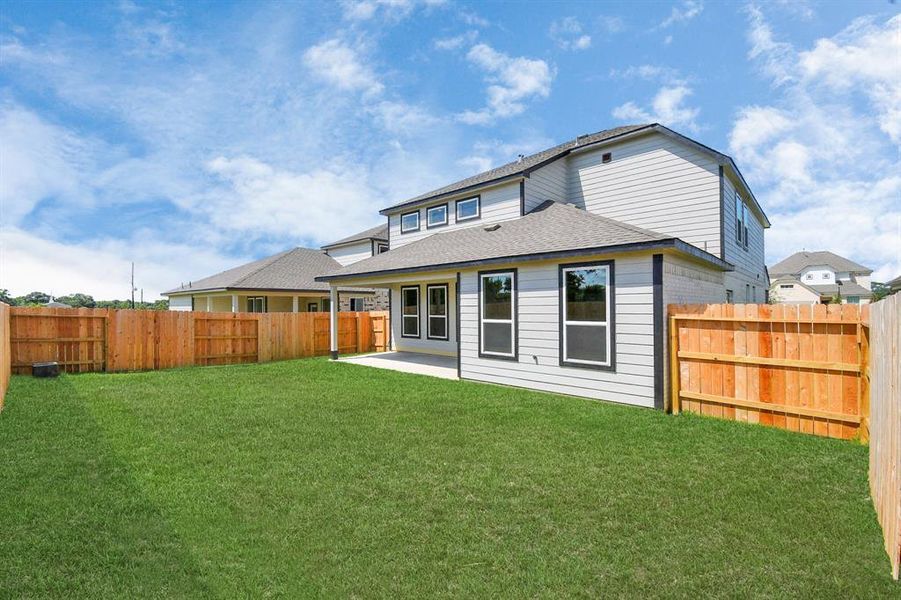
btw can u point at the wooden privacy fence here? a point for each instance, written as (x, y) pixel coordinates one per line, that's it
(789, 366)
(84, 340)
(883, 378)
(5, 354)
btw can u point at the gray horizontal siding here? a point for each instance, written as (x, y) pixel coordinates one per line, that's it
(422, 344)
(749, 264)
(499, 203)
(652, 182)
(538, 365)
(547, 183)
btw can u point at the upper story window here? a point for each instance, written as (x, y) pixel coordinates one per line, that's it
(409, 222)
(468, 209)
(497, 314)
(741, 222)
(436, 216)
(585, 327)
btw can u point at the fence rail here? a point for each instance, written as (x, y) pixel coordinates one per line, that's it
(792, 367)
(883, 381)
(85, 340)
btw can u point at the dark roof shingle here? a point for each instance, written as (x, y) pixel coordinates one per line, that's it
(379, 232)
(553, 227)
(797, 262)
(292, 270)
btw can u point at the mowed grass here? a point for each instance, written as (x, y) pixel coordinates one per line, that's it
(316, 479)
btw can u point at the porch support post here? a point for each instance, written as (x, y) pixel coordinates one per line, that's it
(333, 321)
(294, 304)
(234, 303)
(209, 304)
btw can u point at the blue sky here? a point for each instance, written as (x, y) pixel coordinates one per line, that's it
(193, 137)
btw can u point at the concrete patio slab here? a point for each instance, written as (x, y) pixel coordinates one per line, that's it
(444, 367)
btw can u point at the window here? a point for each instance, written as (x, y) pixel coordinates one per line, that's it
(585, 305)
(497, 314)
(744, 221)
(409, 306)
(256, 304)
(739, 219)
(326, 305)
(381, 248)
(436, 216)
(853, 299)
(312, 307)
(747, 292)
(729, 297)
(468, 209)
(827, 275)
(809, 276)
(356, 304)
(437, 311)
(409, 222)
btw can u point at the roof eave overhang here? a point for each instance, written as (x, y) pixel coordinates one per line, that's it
(254, 289)
(665, 244)
(352, 242)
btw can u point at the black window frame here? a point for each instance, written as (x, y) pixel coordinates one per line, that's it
(351, 302)
(611, 312)
(315, 306)
(418, 289)
(739, 206)
(418, 221)
(478, 215)
(514, 313)
(429, 210)
(428, 313)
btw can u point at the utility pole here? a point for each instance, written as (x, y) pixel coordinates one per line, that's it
(132, 286)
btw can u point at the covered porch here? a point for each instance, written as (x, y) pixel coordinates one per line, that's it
(433, 365)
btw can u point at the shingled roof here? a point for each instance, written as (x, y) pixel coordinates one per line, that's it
(553, 228)
(797, 262)
(379, 232)
(293, 270)
(517, 167)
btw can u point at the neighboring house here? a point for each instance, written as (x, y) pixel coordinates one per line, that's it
(55, 304)
(553, 272)
(819, 278)
(894, 286)
(285, 282)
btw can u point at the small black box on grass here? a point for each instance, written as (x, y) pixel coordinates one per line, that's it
(45, 369)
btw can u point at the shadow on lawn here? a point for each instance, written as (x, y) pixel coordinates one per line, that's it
(72, 515)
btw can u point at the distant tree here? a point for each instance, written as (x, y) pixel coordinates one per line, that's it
(34, 298)
(78, 300)
(6, 298)
(880, 291)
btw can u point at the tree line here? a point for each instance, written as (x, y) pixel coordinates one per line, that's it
(78, 301)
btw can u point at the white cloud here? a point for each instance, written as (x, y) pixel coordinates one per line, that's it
(337, 63)
(512, 81)
(647, 72)
(457, 41)
(667, 107)
(824, 155)
(364, 10)
(568, 34)
(684, 12)
(611, 24)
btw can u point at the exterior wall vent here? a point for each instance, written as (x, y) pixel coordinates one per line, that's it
(606, 157)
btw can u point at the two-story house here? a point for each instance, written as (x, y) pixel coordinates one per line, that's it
(286, 282)
(553, 272)
(819, 277)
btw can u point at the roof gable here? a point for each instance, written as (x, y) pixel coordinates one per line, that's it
(379, 232)
(797, 262)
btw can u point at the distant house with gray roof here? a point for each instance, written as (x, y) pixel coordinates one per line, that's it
(286, 282)
(552, 272)
(819, 277)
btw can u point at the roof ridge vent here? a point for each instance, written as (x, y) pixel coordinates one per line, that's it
(494, 227)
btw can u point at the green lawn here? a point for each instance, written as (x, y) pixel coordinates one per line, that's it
(310, 478)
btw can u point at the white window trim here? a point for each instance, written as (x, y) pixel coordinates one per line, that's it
(605, 324)
(477, 200)
(428, 216)
(511, 321)
(430, 316)
(418, 224)
(404, 316)
(252, 300)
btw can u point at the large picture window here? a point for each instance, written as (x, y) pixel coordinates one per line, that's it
(586, 305)
(409, 306)
(497, 314)
(437, 312)
(468, 208)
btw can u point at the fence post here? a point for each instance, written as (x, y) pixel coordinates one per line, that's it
(359, 333)
(675, 404)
